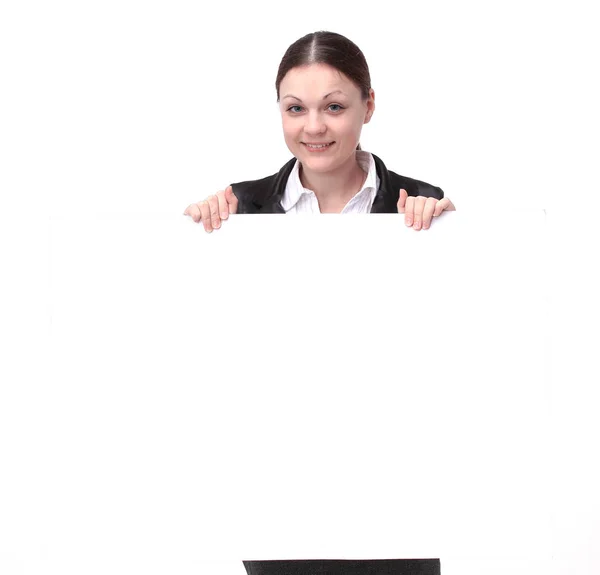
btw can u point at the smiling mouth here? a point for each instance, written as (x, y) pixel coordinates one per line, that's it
(316, 147)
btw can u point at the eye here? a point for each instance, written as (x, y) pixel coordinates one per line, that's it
(336, 108)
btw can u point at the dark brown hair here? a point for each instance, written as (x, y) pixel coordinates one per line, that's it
(327, 48)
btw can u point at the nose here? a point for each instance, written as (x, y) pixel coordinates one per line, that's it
(315, 123)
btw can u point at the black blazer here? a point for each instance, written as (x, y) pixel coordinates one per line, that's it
(345, 567)
(264, 196)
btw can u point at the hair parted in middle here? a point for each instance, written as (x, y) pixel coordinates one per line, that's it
(327, 48)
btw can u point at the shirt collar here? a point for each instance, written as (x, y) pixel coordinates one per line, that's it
(367, 163)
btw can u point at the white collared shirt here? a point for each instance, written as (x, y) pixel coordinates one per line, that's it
(299, 200)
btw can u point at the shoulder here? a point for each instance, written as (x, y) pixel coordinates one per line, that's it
(247, 191)
(416, 187)
(394, 182)
(262, 195)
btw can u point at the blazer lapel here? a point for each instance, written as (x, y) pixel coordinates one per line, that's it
(267, 200)
(386, 200)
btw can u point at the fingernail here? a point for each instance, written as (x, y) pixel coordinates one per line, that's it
(224, 215)
(408, 222)
(216, 224)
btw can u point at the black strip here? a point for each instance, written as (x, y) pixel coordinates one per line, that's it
(344, 567)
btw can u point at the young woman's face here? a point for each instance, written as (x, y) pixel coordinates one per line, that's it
(319, 105)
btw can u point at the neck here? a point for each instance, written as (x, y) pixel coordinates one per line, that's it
(336, 188)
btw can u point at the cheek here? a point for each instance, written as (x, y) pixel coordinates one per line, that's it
(356, 124)
(345, 125)
(289, 127)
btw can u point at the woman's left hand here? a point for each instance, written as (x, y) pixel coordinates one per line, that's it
(418, 211)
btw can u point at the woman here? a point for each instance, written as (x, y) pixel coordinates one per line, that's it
(325, 96)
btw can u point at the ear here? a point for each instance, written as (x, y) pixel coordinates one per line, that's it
(370, 106)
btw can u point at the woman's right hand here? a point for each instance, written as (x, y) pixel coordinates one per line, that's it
(213, 209)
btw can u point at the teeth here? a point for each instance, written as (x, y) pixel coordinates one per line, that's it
(319, 146)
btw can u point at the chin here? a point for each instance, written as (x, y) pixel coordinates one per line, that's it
(319, 164)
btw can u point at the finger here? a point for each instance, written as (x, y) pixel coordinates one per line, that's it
(194, 212)
(205, 211)
(215, 220)
(418, 216)
(402, 200)
(231, 200)
(428, 210)
(409, 209)
(444, 205)
(223, 205)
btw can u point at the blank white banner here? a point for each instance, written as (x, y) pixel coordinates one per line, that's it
(332, 387)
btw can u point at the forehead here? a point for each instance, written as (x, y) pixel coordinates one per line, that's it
(316, 80)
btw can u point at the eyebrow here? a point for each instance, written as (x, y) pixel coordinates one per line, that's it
(324, 97)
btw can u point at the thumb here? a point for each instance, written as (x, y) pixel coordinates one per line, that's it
(231, 200)
(402, 200)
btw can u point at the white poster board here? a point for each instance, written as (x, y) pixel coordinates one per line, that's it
(332, 387)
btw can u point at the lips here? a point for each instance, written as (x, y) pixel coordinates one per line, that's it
(318, 147)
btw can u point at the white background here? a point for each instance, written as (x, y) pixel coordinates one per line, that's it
(140, 108)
